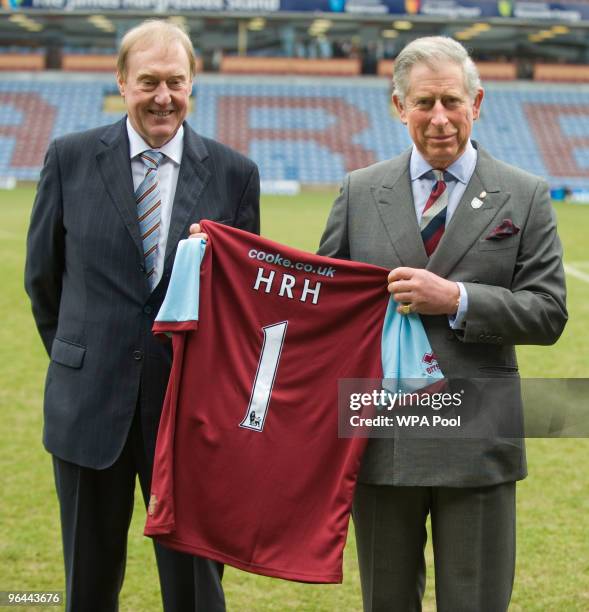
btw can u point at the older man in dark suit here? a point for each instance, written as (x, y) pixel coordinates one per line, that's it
(111, 205)
(473, 248)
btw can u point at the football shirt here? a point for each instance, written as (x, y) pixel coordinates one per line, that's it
(249, 469)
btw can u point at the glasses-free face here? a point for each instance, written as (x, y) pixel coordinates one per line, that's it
(438, 112)
(156, 89)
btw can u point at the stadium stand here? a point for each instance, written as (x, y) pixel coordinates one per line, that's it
(307, 129)
(69, 59)
(21, 58)
(234, 64)
(89, 62)
(496, 71)
(73, 59)
(565, 73)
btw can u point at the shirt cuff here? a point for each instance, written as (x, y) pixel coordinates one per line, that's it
(458, 320)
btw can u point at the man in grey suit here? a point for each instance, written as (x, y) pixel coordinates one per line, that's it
(472, 247)
(112, 204)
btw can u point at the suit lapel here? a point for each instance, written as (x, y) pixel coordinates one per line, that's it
(114, 166)
(394, 201)
(468, 223)
(192, 179)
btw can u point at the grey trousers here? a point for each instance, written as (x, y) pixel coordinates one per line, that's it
(473, 533)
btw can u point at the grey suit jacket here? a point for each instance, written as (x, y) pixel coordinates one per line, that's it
(89, 294)
(516, 295)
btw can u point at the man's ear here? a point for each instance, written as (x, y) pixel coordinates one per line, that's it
(121, 84)
(400, 107)
(476, 106)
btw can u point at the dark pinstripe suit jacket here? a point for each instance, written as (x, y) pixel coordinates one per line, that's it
(90, 298)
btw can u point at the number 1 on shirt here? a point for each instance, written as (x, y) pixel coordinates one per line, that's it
(265, 375)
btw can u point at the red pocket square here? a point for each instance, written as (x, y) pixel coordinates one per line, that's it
(505, 229)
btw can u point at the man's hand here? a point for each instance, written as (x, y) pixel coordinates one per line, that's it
(194, 232)
(423, 291)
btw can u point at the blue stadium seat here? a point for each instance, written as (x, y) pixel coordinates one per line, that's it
(323, 129)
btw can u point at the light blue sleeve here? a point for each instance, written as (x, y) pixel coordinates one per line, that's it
(182, 298)
(407, 357)
(457, 321)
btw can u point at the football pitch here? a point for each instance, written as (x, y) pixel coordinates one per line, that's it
(552, 571)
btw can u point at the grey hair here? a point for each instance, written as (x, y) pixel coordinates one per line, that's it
(433, 50)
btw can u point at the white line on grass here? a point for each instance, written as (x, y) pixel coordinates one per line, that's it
(580, 265)
(576, 273)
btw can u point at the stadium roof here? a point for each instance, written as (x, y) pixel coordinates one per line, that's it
(269, 32)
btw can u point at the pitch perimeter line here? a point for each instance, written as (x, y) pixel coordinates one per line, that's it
(576, 273)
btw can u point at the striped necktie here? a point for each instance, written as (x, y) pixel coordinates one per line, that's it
(149, 204)
(433, 220)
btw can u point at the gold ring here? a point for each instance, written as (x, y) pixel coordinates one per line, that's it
(405, 309)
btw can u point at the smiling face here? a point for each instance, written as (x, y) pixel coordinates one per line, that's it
(438, 112)
(156, 88)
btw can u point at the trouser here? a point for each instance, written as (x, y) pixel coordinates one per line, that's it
(96, 508)
(473, 534)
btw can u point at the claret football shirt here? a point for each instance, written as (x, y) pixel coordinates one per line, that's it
(249, 469)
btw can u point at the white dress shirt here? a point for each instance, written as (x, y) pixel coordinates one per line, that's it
(168, 171)
(422, 184)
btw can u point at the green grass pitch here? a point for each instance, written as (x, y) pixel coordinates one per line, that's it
(553, 556)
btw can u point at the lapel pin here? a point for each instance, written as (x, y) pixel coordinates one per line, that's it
(476, 203)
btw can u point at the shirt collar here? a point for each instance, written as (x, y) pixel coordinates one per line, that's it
(172, 149)
(462, 169)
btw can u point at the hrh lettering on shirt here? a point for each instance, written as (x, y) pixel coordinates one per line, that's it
(287, 286)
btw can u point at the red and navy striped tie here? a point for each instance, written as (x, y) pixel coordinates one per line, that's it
(149, 204)
(433, 219)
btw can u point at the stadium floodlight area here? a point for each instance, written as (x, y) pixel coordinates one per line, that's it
(310, 130)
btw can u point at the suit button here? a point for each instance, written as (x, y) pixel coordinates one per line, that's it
(482, 337)
(499, 338)
(141, 268)
(147, 309)
(137, 355)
